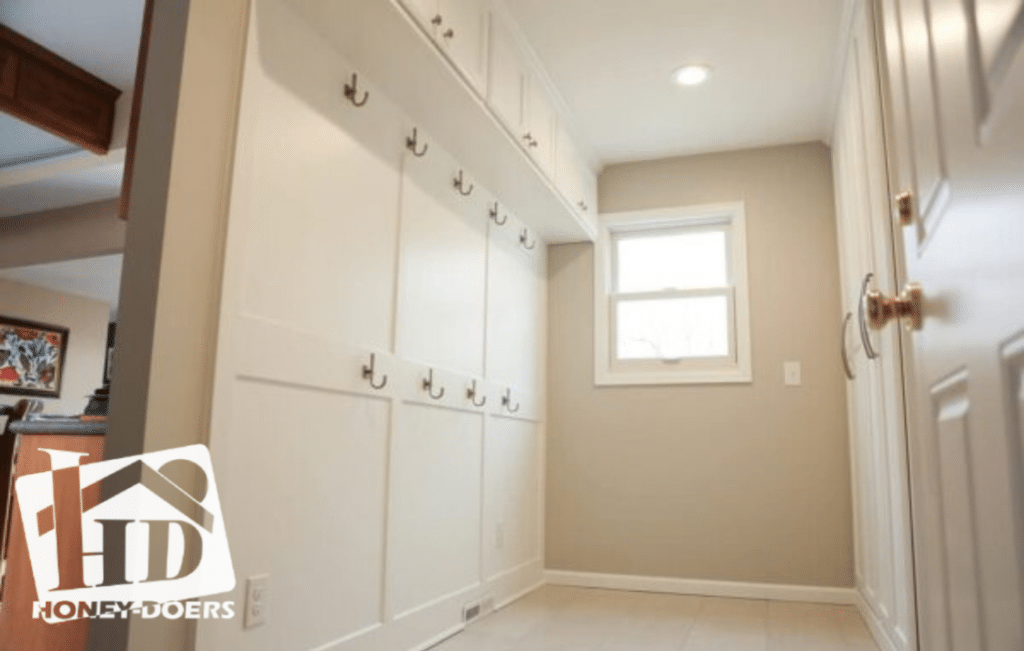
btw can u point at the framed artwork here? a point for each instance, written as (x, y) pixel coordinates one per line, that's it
(31, 357)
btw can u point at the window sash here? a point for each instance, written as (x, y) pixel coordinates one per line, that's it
(711, 361)
(649, 231)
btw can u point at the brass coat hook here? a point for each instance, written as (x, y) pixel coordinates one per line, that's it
(460, 184)
(471, 394)
(494, 215)
(506, 401)
(428, 386)
(369, 372)
(524, 239)
(411, 144)
(350, 91)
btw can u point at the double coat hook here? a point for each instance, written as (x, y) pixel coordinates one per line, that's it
(460, 185)
(494, 215)
(352, 88)
(506, 401)
(524, 239)
(369, 372)
(471, 396)
(411, 144)
(428, 386)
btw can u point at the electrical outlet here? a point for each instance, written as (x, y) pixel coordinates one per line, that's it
(791, 371)
(257, 590)
(499, 535)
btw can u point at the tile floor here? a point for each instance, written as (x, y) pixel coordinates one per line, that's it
(576, 619)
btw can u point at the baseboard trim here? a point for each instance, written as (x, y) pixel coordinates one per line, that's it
(877, 629)
(734, 589)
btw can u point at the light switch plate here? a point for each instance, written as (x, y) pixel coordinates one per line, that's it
(791, 371)
(256, 593)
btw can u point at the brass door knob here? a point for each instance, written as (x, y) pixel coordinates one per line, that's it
(907, 306)
(905, 208)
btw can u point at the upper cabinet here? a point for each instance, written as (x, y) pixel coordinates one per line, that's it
(541, 120)
(460, 29)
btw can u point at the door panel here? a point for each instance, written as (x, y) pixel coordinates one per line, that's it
(965, 465)
(435, 502)
(463, 35)
(443, 272)
(541, 120)
(507, 77)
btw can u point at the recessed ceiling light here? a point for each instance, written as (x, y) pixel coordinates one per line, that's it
(692, 75)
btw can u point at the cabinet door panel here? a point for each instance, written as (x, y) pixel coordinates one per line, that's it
(441, 313)
(463, 34)
(542, 127)
(435, 493)
(512, 493)
(506, 78)
(321, 211)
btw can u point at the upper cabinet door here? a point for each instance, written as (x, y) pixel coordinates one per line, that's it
(573, 177)
(541, 122)
(507, 78)
(462, 33)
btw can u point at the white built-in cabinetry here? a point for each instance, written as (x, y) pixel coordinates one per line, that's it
(874, 391)
(377, 420)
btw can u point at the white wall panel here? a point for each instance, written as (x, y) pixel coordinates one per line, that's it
(434, 529)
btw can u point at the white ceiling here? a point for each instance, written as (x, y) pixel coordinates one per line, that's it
(774, 63)
(98, 278)
(101, 36)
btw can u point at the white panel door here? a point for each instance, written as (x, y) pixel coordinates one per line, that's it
(512, 495)
(515, 306)
(463, 36)
(956, 75)
(878, 444)
(434, 522)
(321, 209)
(507, 77)
(541, 123)
(443, 265)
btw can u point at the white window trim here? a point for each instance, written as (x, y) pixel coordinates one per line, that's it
(738, 371)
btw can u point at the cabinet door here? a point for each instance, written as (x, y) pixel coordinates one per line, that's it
(515, 306)
(463, 36)
(443, 266)
(507, 78)
(541, 121)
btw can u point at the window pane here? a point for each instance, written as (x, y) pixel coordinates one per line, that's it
(672, 261)
(673, 328)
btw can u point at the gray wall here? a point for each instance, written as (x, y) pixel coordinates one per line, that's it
(744, 482)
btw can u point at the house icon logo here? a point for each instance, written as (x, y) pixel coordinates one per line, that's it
(111, 537)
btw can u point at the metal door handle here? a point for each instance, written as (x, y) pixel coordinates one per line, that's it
(842, 347)
(869, 349)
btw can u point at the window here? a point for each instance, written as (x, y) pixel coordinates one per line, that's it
(671, 303)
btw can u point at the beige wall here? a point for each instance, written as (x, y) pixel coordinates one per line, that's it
(65, 234)
(723, 482)
(87, 340)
